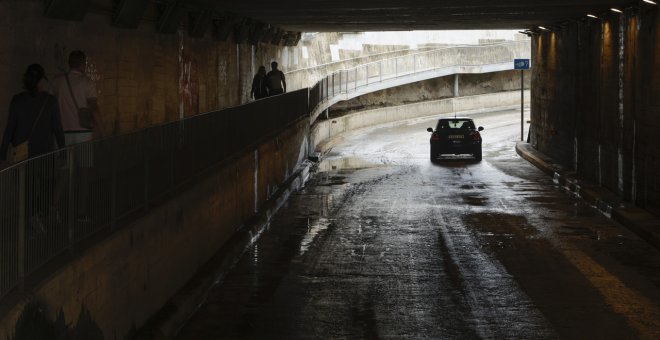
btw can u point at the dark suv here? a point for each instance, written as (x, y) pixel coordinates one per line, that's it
(455, 136)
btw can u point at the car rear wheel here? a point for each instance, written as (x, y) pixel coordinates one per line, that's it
(434, 154)
(477, 154)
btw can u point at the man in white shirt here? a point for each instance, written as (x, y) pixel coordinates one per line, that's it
(75, 90)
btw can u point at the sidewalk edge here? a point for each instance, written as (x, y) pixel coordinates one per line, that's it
(638, 220)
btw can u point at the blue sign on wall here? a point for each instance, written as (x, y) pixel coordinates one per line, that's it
(521, 64)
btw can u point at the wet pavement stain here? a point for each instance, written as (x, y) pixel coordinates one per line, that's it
(387, 245)
(579, 232)
(475, 200)
(536, 262)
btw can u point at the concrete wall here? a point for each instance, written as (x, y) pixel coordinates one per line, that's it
(119, 283)
(143, 77)
(595, 105)
(434, 89)
(324, 131)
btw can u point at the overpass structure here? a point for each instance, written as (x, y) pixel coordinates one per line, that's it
(378, 75)
(179, 188)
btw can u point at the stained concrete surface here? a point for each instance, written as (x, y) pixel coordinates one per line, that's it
(384, 244)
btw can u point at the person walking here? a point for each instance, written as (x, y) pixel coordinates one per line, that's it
(32, 128)
(276, 80)
(77, 96)
(259, 84)
(34, 118)
(81, 120)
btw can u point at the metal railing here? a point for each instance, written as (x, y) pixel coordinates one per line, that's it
(49, 204)
(345, 81)
(308, 76)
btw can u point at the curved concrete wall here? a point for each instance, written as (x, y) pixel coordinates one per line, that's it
(434, 89)
(327, 129)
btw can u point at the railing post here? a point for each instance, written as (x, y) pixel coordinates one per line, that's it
(367, 72)
(22, 225)
(342, 79)
(172, 162)
(71, 214)
(380, 71)
(333, 84)
(146, 182)
(113, 194)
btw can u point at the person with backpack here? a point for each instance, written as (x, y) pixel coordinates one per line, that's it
(34, 119)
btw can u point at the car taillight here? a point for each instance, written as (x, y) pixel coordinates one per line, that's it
(475, 136)
(435, 137)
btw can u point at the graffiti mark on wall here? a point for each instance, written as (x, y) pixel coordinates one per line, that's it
(61, 62)
(188, 87)
(92, 71)
(188, 84)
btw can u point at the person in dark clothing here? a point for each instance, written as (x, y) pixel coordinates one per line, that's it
(24, 110)
(34, 116)
(259, 84)
(276, 81)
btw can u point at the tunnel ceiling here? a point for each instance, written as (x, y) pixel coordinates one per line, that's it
(387, 15)
(281, 22)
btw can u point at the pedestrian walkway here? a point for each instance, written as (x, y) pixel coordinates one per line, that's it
(638, 220)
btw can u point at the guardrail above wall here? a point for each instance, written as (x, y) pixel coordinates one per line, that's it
(51, 203)
(358, 80)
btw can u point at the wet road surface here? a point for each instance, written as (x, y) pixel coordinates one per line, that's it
(384, 244)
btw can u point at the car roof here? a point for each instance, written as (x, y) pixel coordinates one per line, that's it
(457, 118)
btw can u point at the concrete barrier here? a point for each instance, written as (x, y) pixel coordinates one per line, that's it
(115, 286)
(327, 129)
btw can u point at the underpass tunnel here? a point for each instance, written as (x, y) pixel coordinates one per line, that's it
(593, 85)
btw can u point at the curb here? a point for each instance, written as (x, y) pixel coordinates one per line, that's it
(638, 220)
(169, 320)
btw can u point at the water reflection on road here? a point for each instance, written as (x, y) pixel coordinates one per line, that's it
(384, 244)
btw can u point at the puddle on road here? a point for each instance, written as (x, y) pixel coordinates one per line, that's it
(502, 227)
(326, 180)
(345, 163)
(472, 186)
(579, 231)
(475, 200)
(313, 230)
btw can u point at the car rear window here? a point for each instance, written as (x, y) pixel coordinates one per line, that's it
(455, 124)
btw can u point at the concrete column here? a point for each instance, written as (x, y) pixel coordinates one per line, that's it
(456, 76)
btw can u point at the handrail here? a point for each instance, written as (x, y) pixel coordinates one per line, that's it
(343, 61)
(51, 203)
(328, 67)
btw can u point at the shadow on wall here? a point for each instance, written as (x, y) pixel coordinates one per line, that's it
(34, 324)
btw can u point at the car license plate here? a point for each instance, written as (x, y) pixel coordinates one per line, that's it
(455, 136)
